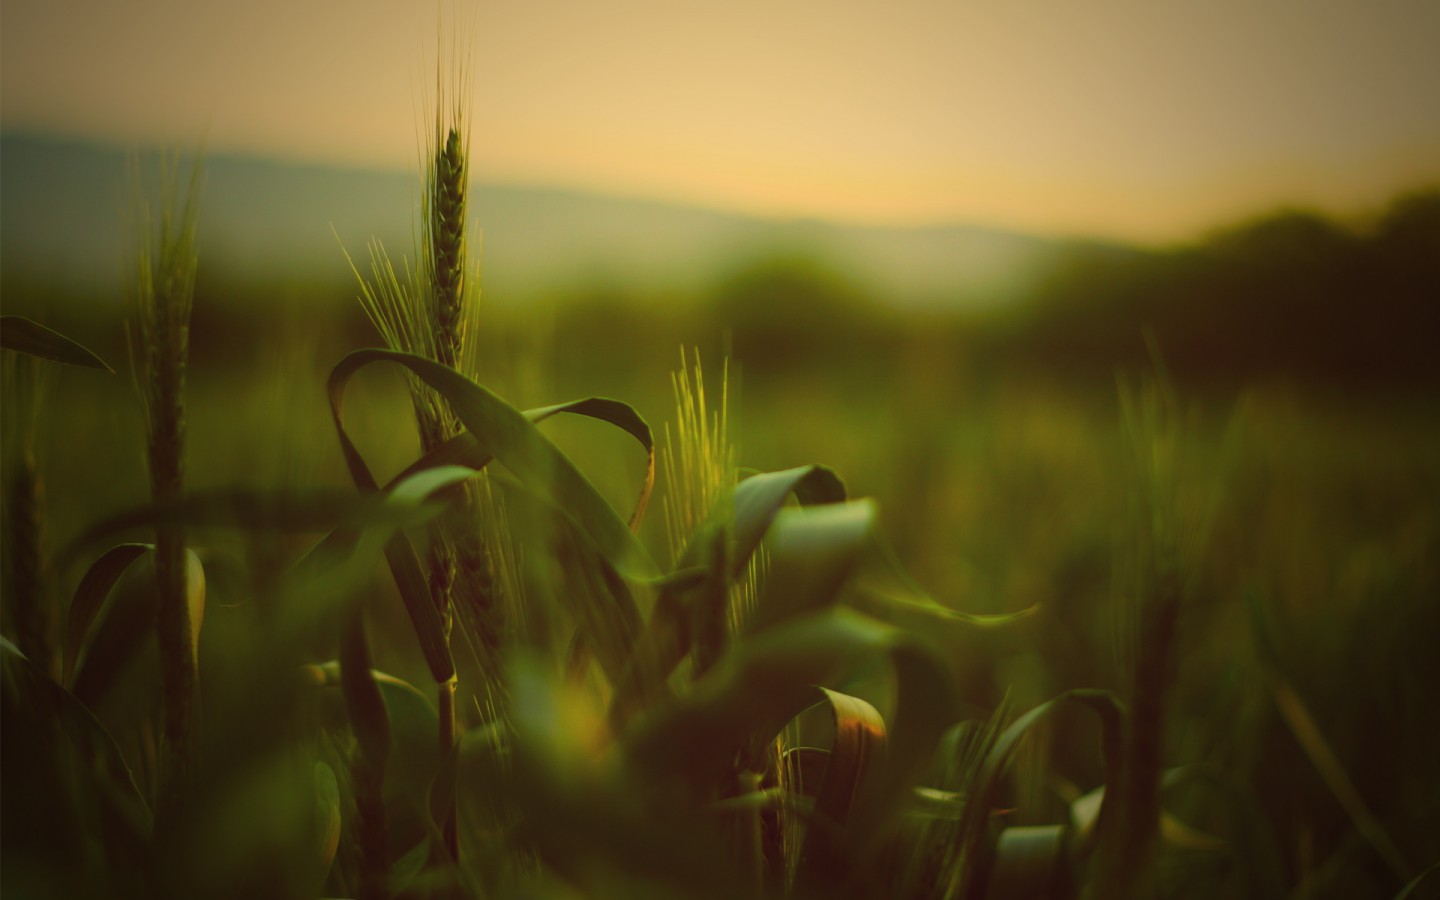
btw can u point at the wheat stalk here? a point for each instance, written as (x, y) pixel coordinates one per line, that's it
(26, 579)
(159, 338)
(432, 311)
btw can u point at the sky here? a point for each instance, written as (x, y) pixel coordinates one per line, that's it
(1139, 120)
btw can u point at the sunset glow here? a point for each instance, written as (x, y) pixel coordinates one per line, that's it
(1127, 119)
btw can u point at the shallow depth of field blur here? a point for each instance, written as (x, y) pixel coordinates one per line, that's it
(971, 377)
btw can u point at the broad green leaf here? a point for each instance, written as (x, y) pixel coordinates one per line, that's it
(128, 624)
(90, 597)
(758, 499)
(812, 553)
(854, 759)
(925, 708)
(624, 417)
(33, 339)
(513, 440)
(465, 450)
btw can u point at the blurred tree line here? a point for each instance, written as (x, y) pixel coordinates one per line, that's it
(1290, 294)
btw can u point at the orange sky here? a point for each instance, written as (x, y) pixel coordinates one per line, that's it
(1135, 119)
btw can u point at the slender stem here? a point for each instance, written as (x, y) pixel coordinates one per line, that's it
(173, 626)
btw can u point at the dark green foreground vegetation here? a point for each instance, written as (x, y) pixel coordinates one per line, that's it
(1211, 592)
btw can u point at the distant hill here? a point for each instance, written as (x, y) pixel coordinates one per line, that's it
(63, 209)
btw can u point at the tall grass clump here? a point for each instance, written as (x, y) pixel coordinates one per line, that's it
(158, 327)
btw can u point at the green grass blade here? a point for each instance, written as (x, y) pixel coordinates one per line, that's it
(1426, 884)
(1307, 733)
(890, 593)
(33, 339)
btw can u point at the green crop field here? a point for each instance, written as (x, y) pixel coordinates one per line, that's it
(1131, 590)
